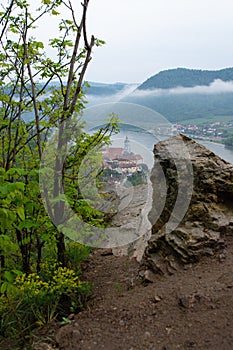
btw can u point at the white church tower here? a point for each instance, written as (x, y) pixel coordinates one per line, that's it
(127, 148)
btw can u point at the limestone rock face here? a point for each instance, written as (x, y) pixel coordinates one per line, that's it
(192, 211)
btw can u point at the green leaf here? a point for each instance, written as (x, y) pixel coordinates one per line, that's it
(20, 212)
(13, 29)
(19, 186)
(55, 13)
(39, 45)
(4, 287)
(4, 190)
(17, 272)
(2, 171)
(26, 240)
(45, 236)
(7, 247)
(16, 171)
(28, 224)
(99, 42)
(3, 213)
(9, 276)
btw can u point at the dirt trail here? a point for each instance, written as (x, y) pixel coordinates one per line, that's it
(191, 309)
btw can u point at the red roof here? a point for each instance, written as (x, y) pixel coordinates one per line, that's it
(118, 153)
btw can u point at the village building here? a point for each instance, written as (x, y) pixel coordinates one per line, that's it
(121, 164)
(123, 157)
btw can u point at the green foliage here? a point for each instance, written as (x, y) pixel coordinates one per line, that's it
(40, 267)
(135, 180)
(229, 141)
(107, 173)
(77, 253)
(33, 300)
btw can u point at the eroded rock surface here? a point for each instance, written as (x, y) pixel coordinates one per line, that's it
(194, 188)
(132, 220)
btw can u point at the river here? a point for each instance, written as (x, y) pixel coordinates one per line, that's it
(219, 149)
(143, 143)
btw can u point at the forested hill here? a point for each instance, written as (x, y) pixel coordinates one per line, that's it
(101, 89)
(185, 77)
(159, 93)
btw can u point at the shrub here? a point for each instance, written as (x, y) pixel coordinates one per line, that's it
(34, 300)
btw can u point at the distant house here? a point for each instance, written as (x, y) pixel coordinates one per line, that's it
(121, 163)
(127, 166)
(113, 153)
(137, 158)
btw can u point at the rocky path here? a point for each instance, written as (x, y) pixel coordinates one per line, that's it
(191, 309)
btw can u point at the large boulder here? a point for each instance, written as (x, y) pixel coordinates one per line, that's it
(192, 211)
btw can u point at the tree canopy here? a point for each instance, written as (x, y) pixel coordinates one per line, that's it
(45, 80)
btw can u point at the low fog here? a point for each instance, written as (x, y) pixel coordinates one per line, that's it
(217, 86)
(126, 91)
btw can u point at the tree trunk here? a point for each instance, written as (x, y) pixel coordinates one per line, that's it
(39, 254)
(61, 249)
(25, 253)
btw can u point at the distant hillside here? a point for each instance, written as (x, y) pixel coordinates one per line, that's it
(178, 94)
(187, 106)
(181, 94)
(173, 78)
(99, 93)
(101, 89)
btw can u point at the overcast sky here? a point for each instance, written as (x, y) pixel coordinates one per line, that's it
(144, 37)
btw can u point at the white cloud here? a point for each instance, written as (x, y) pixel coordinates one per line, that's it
(217, 86)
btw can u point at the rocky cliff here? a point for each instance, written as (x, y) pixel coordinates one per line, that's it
(192, 211)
